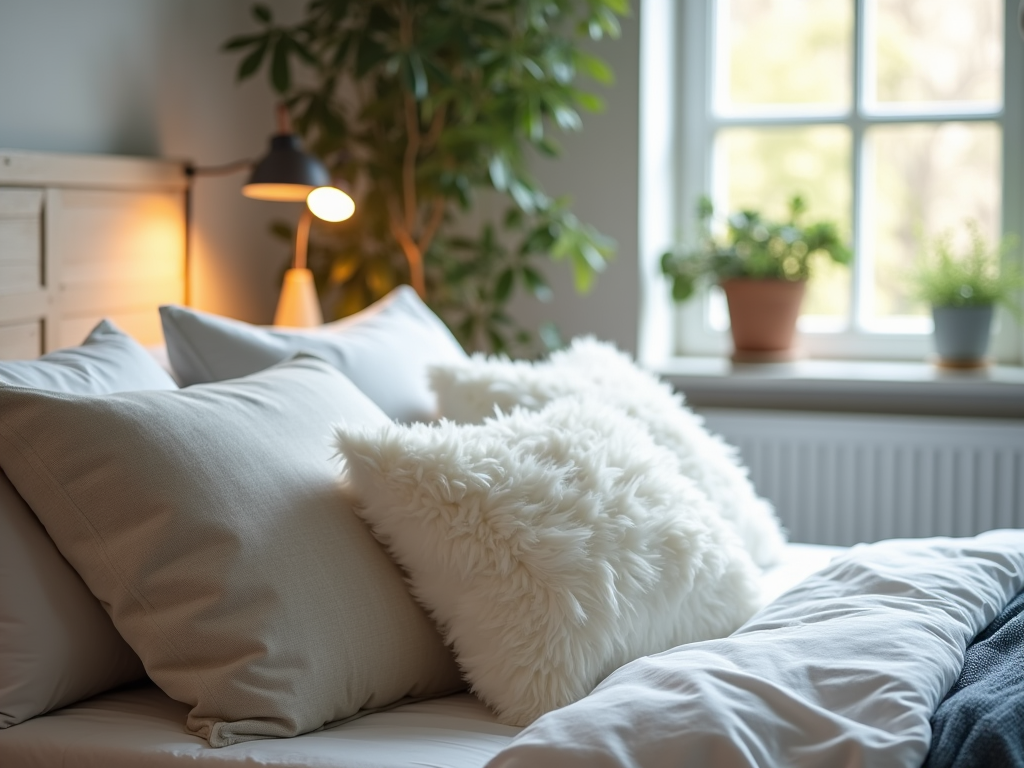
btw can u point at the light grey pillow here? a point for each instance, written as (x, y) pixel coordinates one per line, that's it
(385, 350)
(57, 645)
(209, 523)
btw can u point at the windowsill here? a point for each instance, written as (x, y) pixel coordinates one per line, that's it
(849, 386)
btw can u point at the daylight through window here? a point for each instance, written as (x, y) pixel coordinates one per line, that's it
(887, 116)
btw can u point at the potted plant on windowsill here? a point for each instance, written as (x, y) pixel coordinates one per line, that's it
(763, 268)
(963, 288)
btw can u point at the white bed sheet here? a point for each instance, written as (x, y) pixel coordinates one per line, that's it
(143, 728)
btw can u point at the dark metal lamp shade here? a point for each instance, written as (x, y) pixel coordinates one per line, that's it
(286, 173)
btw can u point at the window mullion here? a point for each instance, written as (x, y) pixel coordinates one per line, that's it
(862, 268)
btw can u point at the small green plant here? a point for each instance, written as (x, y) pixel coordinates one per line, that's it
(974, 277)
(753, 247)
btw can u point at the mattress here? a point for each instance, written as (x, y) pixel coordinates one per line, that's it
(140, 727)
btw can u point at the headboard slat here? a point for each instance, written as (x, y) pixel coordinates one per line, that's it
(87, 237)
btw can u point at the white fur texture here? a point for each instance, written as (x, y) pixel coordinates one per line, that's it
(470, 391)
(551, 547)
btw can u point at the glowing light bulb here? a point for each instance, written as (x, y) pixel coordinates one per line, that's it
(330, 204)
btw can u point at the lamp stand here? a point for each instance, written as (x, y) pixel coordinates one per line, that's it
(299, 306)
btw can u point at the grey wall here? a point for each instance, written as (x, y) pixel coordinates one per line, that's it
(599, 170)
(146, 77)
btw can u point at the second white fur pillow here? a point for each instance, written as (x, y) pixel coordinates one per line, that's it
(469, 391)
(551, 547)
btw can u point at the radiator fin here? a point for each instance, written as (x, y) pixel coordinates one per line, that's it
(842, 479)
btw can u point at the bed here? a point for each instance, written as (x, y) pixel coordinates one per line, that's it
(830, 656)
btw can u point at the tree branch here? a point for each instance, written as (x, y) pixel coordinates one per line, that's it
(412, 130)
(436, 126)
(436, 217)
(412, 149)
(412, 252)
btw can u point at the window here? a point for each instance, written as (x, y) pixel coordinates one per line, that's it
(897, 119)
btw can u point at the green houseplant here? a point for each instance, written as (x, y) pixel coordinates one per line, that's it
(421, 105)
(963, 287)
(763, 267)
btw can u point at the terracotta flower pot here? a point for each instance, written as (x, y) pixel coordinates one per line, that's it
(763, 314)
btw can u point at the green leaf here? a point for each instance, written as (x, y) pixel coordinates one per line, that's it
(242, 41)
(341, 52)
(590, 101)
(419, 76)
(498, 344)
(594, 67)
(262, 13)
(252, 62)
(281, 231)
(523, 196)
(280, 72)
(568, 119)
(550, 336)
(368, 55)
(537, 284)
(304, 53)
(620, 7)
(503, 288)
(500, 172)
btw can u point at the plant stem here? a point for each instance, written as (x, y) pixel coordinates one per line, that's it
(436, 217)
(412, 251)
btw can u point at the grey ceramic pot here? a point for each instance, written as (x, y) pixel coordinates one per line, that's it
(962, 334)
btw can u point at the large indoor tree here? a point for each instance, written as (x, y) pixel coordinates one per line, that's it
(420, 106)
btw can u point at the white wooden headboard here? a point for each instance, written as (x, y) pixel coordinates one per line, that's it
(85, 237)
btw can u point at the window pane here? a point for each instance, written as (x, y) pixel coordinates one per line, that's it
(785, 52)
(938, 51)
(762, 168)
(922, 180)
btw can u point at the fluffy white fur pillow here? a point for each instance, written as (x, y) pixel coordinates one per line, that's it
(551, 547)
(470, 391)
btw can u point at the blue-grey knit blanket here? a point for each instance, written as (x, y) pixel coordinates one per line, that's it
(980, 723)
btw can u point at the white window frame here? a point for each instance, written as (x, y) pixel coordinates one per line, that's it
(678, 124)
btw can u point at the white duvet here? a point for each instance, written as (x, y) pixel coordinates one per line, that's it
(845, 669)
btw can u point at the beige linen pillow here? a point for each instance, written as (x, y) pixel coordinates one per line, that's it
(384, 350)
(57, 645)
(207, 521)
(551, 547)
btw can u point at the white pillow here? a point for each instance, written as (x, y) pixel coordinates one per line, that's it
(469, 391)
(57, 645)
(551, 547)
(384, 350)
(209, 523)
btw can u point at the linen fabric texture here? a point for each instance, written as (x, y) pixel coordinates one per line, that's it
(209, 523)
(384, 350)
(470, 390)
(844, 669)
(57, 644)
(551, 547)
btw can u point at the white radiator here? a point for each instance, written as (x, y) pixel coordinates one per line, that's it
(843, 479)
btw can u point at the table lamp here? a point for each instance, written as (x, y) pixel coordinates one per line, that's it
(288, 174)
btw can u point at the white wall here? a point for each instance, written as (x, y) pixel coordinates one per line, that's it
(146, 77)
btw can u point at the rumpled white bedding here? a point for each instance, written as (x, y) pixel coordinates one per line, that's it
(856, 659)
(142, 727)
(843, 670)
